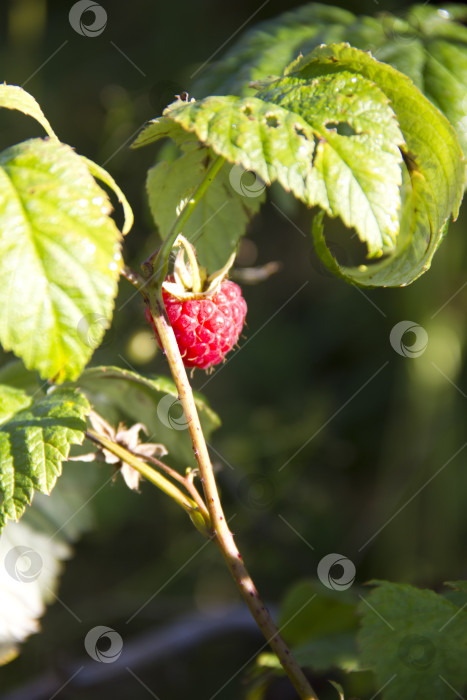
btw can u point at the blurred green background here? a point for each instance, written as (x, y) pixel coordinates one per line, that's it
(317, 388)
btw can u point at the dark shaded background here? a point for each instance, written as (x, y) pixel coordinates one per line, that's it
(299, 393)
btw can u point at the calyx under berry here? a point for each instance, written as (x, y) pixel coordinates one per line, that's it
(189, 280)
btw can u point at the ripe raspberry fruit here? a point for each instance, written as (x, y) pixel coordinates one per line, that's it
(207, 324)
(206, 328)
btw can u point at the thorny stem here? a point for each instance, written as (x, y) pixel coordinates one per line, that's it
(222, 535)
(133, 276)
(199, 517)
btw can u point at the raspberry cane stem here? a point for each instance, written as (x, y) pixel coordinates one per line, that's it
(220, 530)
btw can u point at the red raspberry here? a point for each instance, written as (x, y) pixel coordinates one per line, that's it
(206, 328)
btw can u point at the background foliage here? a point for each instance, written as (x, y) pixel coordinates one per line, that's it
(363, 451)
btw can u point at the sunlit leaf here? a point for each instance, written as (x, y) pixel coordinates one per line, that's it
(59, 258)
(33, 444)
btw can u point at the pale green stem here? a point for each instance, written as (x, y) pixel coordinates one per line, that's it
(157, 266)
(188, 504)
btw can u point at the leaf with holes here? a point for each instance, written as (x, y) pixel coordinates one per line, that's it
(59, 258)
(352, 135)
(356, 172)
(433, 168)
(33, 445)
(427, 43)
(332, 142)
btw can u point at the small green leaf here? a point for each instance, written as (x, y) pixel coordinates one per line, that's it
(458, 585)
(101, 174)
(415, 641)
(223, 214)
(339, 689)
(33, 445)
(121, 395)
(163, 128)
(11, 401)
(14, 97)
(59, 258)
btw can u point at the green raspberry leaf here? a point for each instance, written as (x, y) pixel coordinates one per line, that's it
(348, 133)
(415, 641)
(432, 175)
(14, 97)
(329, 149)
(59, 258)
(222, 216)
(11, 401)
(356, 172)
(33, 445)
(320, 625)
(427, 43)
